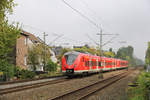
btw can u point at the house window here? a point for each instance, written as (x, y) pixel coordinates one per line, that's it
(25, 60)
(18, 51)
(25, 41)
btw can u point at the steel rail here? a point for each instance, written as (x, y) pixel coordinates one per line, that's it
(30, 86)
(28, 80)
(84, 92)
(103, 87)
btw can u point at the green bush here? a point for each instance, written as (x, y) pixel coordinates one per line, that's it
(7, 69)
(141, 91)
(145, 66)
(17, 71)
(23, 74)
(51, 66)
(26, 74)
(43, 75)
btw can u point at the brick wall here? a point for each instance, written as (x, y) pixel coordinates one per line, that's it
(21, 51)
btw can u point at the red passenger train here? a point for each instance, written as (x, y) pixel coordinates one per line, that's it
(79, 63)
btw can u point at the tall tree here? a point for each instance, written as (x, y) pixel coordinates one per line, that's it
(147, 57)
(125, 52)
(37, 55)
(8, 36)
(8, 32)
(63, 51)
(84, 49)
(109, 53)
(110, 50)
(6, 7)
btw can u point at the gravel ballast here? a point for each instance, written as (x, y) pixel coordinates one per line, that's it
(117, 91)
(51, 91)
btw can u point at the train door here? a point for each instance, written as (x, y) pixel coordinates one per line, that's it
(104, 65)
(97, 64)
(90, 64)
(115, 63)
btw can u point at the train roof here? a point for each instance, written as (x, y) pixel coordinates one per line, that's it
(88, 54)
(72, 52)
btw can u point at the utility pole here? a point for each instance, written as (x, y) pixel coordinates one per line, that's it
(44, 38)
(101, 53)
(101, 49)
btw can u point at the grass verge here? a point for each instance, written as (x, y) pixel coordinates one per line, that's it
(141, 88)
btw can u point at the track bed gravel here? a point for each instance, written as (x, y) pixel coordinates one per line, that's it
(5, 86)
(117, 91)
(51, 91)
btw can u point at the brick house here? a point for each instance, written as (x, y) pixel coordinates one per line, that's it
(25, 41)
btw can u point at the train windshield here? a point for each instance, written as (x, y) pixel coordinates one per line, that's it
(70, 58)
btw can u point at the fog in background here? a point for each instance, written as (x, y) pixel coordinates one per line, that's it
(128, 18)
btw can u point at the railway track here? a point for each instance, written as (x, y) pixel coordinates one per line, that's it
(28, 80)
(30, 86)
(89, 90)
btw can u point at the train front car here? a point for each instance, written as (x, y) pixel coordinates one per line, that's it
(70, 62)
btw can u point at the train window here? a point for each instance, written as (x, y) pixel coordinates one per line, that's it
(92, 63)
(66, 57)
(99, 64)
(106, 63)
(88, 63)
(85, 63)
(102, 64)
(113, 63)
(83, 59)
(70, 58)
(110, 64)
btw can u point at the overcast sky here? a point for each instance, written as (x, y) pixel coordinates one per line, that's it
(128, 18)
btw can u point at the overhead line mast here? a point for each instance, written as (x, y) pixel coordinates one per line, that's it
(92, 22)
(44, 38)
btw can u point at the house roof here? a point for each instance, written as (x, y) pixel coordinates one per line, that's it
(30, 36)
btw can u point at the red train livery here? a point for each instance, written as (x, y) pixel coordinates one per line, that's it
(78, 63)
